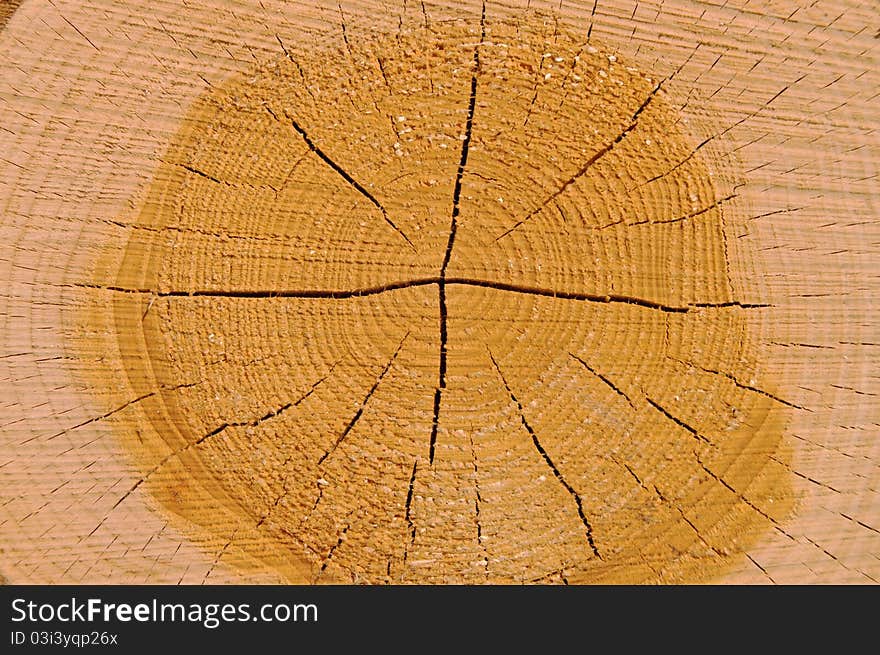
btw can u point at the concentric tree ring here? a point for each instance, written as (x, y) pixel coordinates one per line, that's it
(452, 306)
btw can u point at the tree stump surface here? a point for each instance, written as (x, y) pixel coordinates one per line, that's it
(428, 293)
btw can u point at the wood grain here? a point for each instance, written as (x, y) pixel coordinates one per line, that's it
(546, 394)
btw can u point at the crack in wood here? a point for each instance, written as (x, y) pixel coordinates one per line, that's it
(212, 433)
(450, 242)
(343, 294)
(478, 500)
(345, 175)
(604, 379)
(549, 462)
(360, 411)
(741, 385)
(408, 513)
(692, 431)
(587, 165)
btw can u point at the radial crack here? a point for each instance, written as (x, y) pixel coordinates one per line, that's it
(692, 431)
(549, 462)
(253, 422)
(488, 284)
(592, 19)
(284, 490)
(337, 294)
(719, 134)
(299, 69)
(538, 77)
(794, 471)
(201, 173)
(333, 549)
(604, 379)
(342, 294)
(348, 178)
(112, 411)
(441, 384)
(450, 242)
(693, 214)
(272, 413)
(97, 418)
(478, 500)
(218, 430)
(739, 495)
(739, 384)
(408, 512)
(731, 303)
(587, 165)
(465, 149)
(763, 570)
(360, 411)
(573, 295)
(220, 554)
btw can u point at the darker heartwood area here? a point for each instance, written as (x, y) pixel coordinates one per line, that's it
(443, 282)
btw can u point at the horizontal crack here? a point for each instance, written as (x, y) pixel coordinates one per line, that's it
(305, 293)
(571, 295)
(342, 294)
